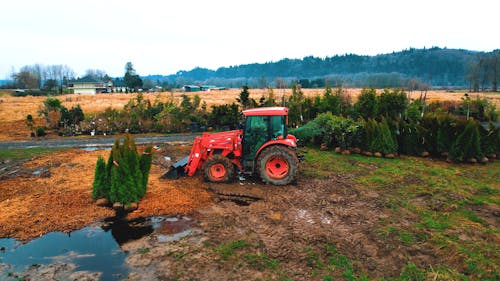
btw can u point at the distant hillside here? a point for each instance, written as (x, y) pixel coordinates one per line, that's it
(4, 82)
(434, 67)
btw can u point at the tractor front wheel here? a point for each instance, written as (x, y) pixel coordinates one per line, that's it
(278, 165)
(218, 169)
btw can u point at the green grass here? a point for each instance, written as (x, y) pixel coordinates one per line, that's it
(225, 250)
(437, 196)
(144, 250)
(261, 261)
(20, 154)
(327, 263)
(241, 254)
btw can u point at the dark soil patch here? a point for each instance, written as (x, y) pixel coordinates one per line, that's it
(286, 226)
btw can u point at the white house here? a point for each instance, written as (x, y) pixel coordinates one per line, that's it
(89, 85)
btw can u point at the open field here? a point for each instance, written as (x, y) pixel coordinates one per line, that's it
(347, 218)
(13, 110)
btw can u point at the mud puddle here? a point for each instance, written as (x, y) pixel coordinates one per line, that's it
(92, 251)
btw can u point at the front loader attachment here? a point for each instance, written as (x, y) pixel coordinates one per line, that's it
(177, 170)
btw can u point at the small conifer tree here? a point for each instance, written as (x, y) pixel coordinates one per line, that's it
(468, 144)
(368, 134)
(382, 140)
(446, 132)
(115, 185)
(124, 178)
(145, 166)
(410, 139)
(100, 189)
(490, 140)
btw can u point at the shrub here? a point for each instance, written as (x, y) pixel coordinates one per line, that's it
(410, 138)
(429, 129)
(467, 144)
(342, 132)
(446, 132)
(415, 110)
(379, 138)
(40, 131)
(392, 104)
(73, 116)
(479, 108)
(490, 140)
(367, 104)
(31, 124)
(224, 115)
(34, 93)
(310, 133)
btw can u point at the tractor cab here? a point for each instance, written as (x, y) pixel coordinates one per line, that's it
(262, 125)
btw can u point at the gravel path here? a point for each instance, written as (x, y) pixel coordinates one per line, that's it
(90, 142)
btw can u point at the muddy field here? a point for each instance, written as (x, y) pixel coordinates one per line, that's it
(326, 227)
(275, 233)
(13, 110)
(38, 197)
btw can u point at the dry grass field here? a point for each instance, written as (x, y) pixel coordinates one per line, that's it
(13, 110)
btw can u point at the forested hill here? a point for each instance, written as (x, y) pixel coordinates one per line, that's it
(435, 67)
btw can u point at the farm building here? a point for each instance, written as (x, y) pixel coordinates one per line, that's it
(211, 88)
(192, 88)
(89, 85)
(208, 88)
(118, 86)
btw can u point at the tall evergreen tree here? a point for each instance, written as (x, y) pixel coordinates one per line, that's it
(145, 167)
(124, 178)
(367, 104)
(382, 140)
(99, 187)
(490, 140)
(410, 140)
(467, 144)
(131, 79)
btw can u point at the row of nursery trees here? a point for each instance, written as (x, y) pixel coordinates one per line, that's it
(141, 115)
(415, 127)
(383, 124)
(389, 123)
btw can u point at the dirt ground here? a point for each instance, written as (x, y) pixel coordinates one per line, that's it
(281, 223)
(13, 110)
(53, 193)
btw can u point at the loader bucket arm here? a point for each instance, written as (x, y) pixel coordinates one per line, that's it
(194, 157)
(187, 165)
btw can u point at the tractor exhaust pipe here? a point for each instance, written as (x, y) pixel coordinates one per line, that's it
(176, 170)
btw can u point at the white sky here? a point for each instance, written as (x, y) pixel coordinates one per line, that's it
(162, 37)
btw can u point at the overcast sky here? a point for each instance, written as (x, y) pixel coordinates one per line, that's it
(163, 37)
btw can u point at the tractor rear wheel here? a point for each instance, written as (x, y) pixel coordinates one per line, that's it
(218, 169)
(278, 165)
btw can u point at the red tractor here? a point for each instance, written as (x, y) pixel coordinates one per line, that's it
(263, 147)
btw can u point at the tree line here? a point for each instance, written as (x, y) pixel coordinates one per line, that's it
(410, 69)
(436, 67)
(41, 79)
(38, 76)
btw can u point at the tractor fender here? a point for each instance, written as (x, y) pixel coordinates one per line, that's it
(290, 142)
